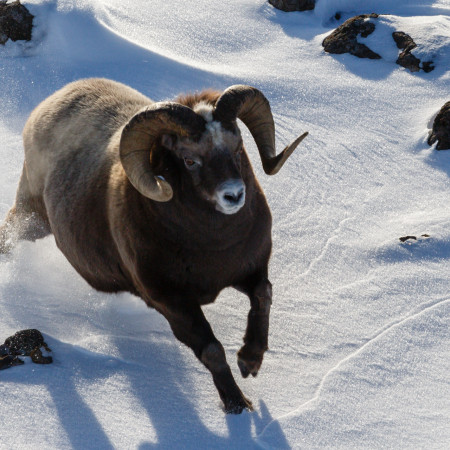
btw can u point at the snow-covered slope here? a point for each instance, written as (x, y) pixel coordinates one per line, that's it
(359, 341)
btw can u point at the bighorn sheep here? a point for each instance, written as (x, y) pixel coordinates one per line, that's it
(158, 199)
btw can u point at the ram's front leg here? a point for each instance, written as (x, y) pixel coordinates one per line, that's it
(190, 326)
(250, 356)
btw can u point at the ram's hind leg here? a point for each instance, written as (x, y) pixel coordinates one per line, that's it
(250, 356)
(27, 219)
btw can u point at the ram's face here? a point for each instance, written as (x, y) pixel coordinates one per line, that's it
(212, 156)
(212, 165)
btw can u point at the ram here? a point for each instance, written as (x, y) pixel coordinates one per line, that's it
(157, 199)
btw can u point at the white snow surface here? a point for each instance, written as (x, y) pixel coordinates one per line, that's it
(360, 326)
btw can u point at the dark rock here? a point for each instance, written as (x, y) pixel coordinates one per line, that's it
(427, 66)
(16, 22)
(4, 350)
(403, 41)
(293, 5)
(406, 238)
(441, 129)
(406, 59)
(26, 343)
(344, 38)
(23, 342)
(8, 361)
(413, 239)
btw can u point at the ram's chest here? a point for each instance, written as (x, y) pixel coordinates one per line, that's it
(200, 275)
(200, 260)
(210, 270)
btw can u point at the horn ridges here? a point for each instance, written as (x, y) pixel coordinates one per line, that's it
(252, 107)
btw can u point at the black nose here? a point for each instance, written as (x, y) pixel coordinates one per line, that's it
(230, 196)
(233, 198)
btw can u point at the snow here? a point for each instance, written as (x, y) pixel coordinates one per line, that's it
(359, 340)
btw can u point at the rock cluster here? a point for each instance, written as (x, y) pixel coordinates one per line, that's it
(441, 129)
(16, 22)
(293, 5)
(344, 40)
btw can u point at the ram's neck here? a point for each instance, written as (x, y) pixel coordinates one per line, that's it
(196, 224)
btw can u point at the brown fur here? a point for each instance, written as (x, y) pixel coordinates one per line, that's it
(207, 96)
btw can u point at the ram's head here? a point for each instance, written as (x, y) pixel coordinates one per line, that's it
(205, 143)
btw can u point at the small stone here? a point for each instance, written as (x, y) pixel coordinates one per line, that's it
(408, 61)
(403, 41)
(427, 66)
(406, 238)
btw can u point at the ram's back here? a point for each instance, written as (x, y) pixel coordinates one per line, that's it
(76, 122)
(71, 143)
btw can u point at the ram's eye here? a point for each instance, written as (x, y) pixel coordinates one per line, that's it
(190, 163)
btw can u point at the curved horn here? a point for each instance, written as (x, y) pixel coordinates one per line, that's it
(138, 138)
(252, 107)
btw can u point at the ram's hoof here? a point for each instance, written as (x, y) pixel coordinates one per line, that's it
(237, 405)
(249, 362)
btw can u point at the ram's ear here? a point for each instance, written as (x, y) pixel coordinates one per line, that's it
(169, 141)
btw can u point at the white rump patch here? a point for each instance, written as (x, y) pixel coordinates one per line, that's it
(205, 110)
